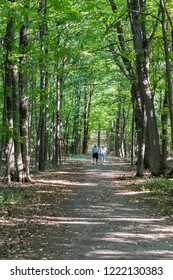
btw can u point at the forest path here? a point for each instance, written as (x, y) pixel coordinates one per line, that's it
(87, 212)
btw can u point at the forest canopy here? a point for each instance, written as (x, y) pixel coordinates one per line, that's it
(74, 69)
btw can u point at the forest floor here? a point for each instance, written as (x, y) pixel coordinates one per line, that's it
(85, 212)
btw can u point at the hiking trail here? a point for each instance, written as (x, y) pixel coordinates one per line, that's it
(87, 212)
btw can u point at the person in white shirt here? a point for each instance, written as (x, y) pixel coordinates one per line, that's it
(103, 154)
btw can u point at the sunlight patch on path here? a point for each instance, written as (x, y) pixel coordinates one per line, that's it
(66, 183)
(113, 254)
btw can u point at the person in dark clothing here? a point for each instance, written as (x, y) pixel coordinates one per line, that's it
(95, 153)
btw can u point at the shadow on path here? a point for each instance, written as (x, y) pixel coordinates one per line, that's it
(84, 212)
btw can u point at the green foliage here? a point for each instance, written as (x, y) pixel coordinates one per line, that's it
(77, 37)
(159, 185)
(14, 195)
(77, 156)
(161, 192)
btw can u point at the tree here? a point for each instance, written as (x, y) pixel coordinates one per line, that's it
(84, 68)
(168, 98)
(41, 137)
(137, 20)
(23, 96)
(8, 110)
(16, 102)
(130, 73)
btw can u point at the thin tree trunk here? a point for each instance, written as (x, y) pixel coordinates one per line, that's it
(132, 152)
(117, 132)
(76, 123)
(41, 150)
(164, 121)
(141, 144)
(99, 135)
(87, 106)
(59, 96)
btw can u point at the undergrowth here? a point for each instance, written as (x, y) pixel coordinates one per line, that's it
(76, 156)
(13, 195)
(160, 194)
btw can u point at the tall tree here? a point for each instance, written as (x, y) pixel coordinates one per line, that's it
(23, 94)
(168, 91)
(88, 93)
(8, 107)
(128, 70)
(41, 132)
(138, 25)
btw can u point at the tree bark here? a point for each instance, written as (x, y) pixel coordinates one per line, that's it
(8, 109)
(130, 73)
(19, 167)
(168, 65)
(41, 133)
(76, 134)
(164, 121)
(23, 90)
(59, 97)
(88, 93)
(142, 65)
(117, 132)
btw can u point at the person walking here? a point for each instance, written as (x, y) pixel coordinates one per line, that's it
(95, 153)
(103, 154)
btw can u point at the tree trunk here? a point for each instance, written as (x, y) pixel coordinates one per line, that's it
(142, 65)
(76, 123)
(16, 106)
(140, 121)
(23, 89)
(87, 106)
(128, 71)
(99, 135)
(164, 121)
(59, 96)
(19, 168)
(8, 109)
(41, 133)
(117, 132)
(168, 65)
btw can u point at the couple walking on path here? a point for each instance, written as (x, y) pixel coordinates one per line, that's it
(95, 153)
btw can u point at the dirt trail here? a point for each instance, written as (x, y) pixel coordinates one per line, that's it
(87, 212)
